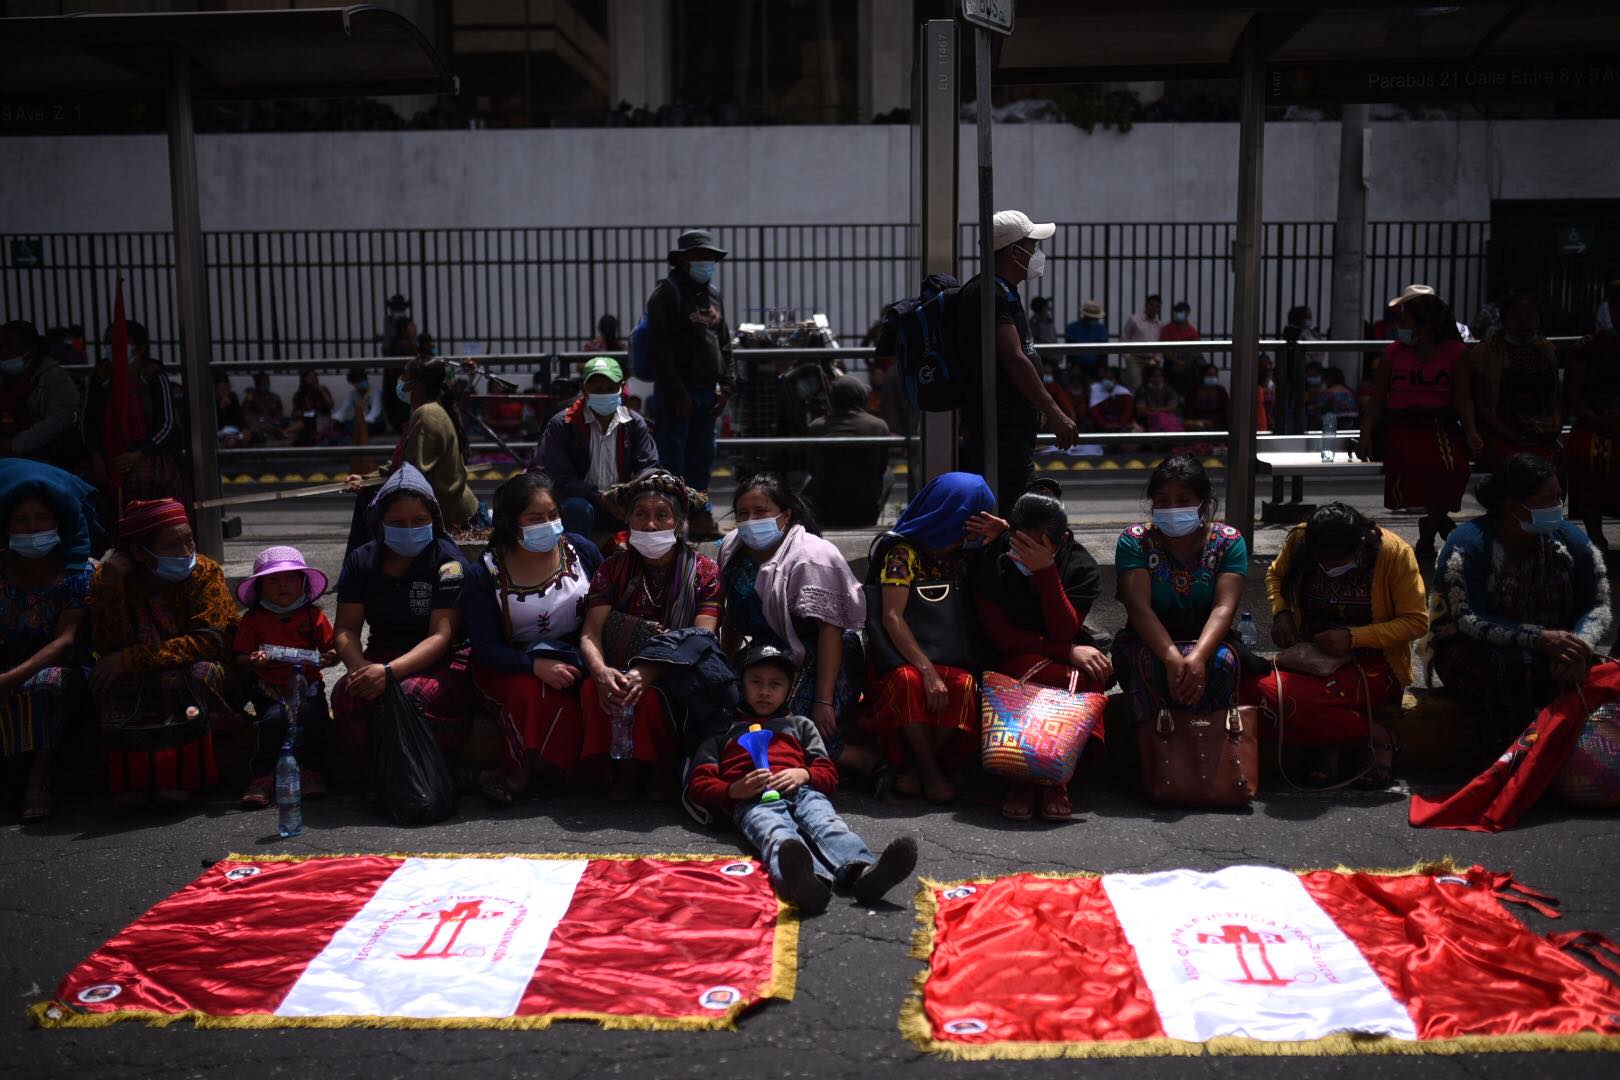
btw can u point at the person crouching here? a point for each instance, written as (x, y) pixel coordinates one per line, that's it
(806, 846)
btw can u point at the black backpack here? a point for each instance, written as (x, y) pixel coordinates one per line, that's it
(921, 332)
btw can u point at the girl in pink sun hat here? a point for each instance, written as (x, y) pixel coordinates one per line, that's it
(280, 597)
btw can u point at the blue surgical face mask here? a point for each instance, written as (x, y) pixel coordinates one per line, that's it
(286, 609)
(401, 392)
(1313, 380)
(35, 545)
(761, 533)
(1022, 569)
(702, 272)
(543, 537)
(1212, 380)
(1544, 521)
(173, 568)
(362, 386)
(1179, 522)
(603, 404)
(1405, 336)
(15, 365)
(407, 541)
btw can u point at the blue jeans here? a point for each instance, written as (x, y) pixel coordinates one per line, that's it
(686, 446)
(578, 515)
(804, 815)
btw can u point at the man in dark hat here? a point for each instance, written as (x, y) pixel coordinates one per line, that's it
(689, 344)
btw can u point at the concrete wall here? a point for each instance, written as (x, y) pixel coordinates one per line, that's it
(1155, 172)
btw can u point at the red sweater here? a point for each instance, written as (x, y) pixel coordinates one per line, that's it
(306, 628)
(721, 760)
(1062, 622)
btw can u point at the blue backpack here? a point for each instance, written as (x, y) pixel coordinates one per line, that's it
(641, 366)
(920, 331)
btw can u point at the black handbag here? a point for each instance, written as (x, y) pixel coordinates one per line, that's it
(151, 730)
(941, 617)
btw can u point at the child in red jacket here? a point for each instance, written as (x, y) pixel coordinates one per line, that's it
(806, 846)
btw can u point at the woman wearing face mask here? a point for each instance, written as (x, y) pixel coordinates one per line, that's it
(312, 410)
(1520, 604)
(787, 586)
(923, 711)
(1420, 418)
(1158, 406)
(1181, 580)
(162, 621)
(433, 441)
(1208, 407)
(1514, 374)
(1353, 590)
(659, 583)
(1033, 589)
(44, 587)
(405, 587)
(1112, 406)
(524, 603)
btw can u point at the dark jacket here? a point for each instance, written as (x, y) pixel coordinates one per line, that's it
(564, 451)
(52, 404)
(847, 482)
(697, 681)
(481, 610)
(164, 432)
(688, 354)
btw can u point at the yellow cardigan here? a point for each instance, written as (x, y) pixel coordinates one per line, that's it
(1400, 605)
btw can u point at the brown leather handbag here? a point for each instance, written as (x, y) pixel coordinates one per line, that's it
(1209, 759)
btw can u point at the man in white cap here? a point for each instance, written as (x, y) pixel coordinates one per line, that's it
(1022, 401)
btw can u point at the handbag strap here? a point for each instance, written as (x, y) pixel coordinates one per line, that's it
(1282, 718)
(1036, 670)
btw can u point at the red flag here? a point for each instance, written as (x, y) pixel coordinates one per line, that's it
(331, 941)
(1249, 960)
(115, 419)
(1495, 799)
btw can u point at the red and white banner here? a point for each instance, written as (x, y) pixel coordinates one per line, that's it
(451, 940)
(1247, 960)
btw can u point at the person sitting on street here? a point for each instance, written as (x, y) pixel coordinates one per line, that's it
(592, 445)
(281, 596)
(847, 483)
(807, 848)
(1112, 408)
(1208, 408)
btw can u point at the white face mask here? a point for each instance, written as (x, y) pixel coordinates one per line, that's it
(653, 545)
(1036, 265)
(1340, 571)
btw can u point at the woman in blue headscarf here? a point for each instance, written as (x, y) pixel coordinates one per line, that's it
(921, 692)
(44, 583)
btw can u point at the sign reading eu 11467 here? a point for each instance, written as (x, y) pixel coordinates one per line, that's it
(994, 15)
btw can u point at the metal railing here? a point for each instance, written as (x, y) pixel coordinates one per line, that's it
(307, 293)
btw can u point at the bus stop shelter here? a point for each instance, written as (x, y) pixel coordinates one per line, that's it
(1286, 52)
(87, 74)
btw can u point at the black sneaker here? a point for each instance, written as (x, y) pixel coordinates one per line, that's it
(800, 886)
(892, 867)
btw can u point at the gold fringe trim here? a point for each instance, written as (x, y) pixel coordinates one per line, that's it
(781, 986)
(917, 1030)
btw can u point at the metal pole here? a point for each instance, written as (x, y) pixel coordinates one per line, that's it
(196, 341)
(989, 452)
(1348, 311)
(1246, 301)
(937, 179)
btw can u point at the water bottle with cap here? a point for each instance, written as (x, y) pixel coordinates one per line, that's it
(623, 719)
(1248, 633)
(1330, 432)
(289, 792)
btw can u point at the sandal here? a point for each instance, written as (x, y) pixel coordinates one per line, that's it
(1381, 772)
(497, 791)
(940, 794)
(1323, 771)
(1055, 804)
(260, 794)
(1019, 805)
(908, 785)
(37, 805)
(882, 778)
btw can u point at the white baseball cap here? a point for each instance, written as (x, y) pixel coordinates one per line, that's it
(1011, 226)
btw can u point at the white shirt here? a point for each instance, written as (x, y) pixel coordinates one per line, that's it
(372, 412)
(604, 471)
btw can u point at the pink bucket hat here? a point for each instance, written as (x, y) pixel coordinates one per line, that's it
(278, 560)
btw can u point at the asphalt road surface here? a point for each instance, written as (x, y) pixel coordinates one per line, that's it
(69, 884)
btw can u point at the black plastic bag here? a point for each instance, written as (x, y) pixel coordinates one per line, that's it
(414, 782)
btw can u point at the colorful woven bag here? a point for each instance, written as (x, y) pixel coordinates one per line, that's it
(1035, 733)
(1590, 777)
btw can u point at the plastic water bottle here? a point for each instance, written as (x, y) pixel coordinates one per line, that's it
(1248, 633)
(1330, 431)
(623, 720)
(289, 793)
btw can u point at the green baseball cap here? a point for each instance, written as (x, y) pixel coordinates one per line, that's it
(603, 365)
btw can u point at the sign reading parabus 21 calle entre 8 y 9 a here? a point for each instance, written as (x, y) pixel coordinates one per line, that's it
(994, 15)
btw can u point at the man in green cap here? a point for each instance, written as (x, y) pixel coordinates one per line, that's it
(593, 444)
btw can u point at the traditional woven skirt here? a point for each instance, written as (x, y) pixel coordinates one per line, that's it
(1594, 473)
(140, 699)
(35, 716)
(896, 700)
(534, 718)
(1425, 465)
(443, 693)
(1143, 677)
(1324, 710)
